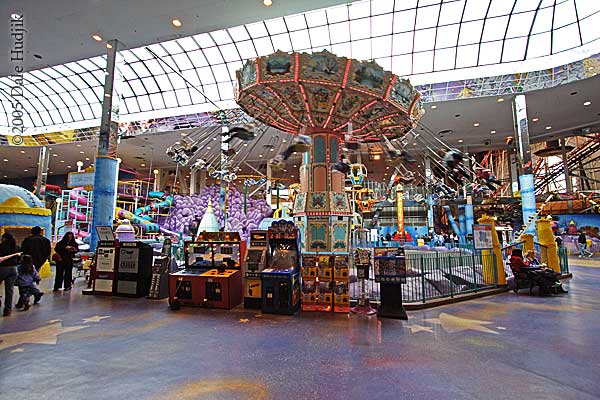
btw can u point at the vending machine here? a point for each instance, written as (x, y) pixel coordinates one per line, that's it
(159, 285)
(390, 273)
(281, 280)
(254, 263)
(104, 270)
(134, 271)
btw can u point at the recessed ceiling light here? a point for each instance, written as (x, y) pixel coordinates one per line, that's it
(476, 124)
(285, 170)
(500, 99)
(548, 128)
(87, 159)
(283, 141)
(108, 46)
(54, 155)
(208, 148)
(460, 140)
(142, 165)
(62, 160)
(492, 132)
(6, 176)
(68, 166)
(387, 167)
(22, 151)
(5, 160)
(292, 176)
(271, 149)
(433, 107)
(82, 152)
(536, 119)
(268, 3)
(97, 37)
(78, 145)
(260, 155)
(587, 103)
(295, 166)
(176, 23)
(25, 170)
(245, 144)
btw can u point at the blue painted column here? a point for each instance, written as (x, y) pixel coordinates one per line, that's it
(106, 172)
(462, 223)
(469, 216)
(526, 180)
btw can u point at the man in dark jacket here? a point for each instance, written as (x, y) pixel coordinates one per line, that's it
(37, 246)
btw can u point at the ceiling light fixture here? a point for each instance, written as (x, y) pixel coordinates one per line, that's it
(108, 46)
(142, 165)
(62, 160)
(476, 124)
(5, 160)
(87, 159)
(268, 3)
(68, 166)
(25, 170)
(500, 99)
(433, 107)
(492, 132)
(22, 151)
(587, 103)
(536, 119)
(260, 155)
(82, 152)
(460, 140)
(208, 148)
(548, 128)
(176, 23)
(54, 155)
(97, 37)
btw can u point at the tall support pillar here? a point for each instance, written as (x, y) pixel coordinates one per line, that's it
(106, 165)
(469, 219)
(462, 222)
(568, 181)
(526, 180)
(400, 210)
(513, 173)
(42, 173)
(269, 196)
(193, 184)
(428, 176)
(224, 183)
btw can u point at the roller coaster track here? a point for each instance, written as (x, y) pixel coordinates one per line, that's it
(574, 159)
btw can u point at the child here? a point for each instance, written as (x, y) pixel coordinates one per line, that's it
(26, 281)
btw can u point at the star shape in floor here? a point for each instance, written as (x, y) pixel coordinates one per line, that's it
(95, 318)
(453, 324)
(44, 335)
(419, 328)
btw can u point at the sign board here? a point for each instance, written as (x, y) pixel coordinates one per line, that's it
(105, 233)
(482, 236)
(80, 179)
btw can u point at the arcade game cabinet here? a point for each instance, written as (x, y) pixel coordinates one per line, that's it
(159, 285)
(212, 277)
(390, 273)
(254, 263)
(281, 281)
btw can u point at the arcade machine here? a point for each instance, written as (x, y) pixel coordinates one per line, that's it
(254, 263)
(390, 273)
(104, 271)
(212, 277)
(159, 285)
(281, 281)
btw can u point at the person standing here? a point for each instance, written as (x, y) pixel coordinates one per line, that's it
(65, 249)
(582, 246)
(37, 246)
(8, 269)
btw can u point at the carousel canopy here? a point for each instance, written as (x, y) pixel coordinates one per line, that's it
(294, 91)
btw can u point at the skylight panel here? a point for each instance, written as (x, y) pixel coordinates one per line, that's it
(514, 49)
(475, 10)
(382, 25)
(342, 49)
(263, 46)
(405, 5)
(425, 39)
(275, 26)
(490, 53)
(232, 68)
(282, 42)
(137, 87)
(402, 65)
(225, 90)
(132, 105)
(171, 47)
(565, 38)
(66, 84)
(211, 92)
(340, 32)
(246, 49)
(163, 82)
(157, 101)
(360, 29)
(451, 12)
(295, 22)
(178, 82)
(257, 30)
(154, 67)
(144, 102)
(427, 16)
(494, 29)
(319, 36)
(564, 14)
(139, 67)
(402, 43)
(359, 9)
(499, 7)
(470, 32)
(466, 56)
(206, 75)
(187, 44)
(239, 33)
(590, 28)
(361, 49)
(213, 56)
(520, 24)
(404, 21)
(65, 115)
(150, 85)
(338, 14)
(381, 47)
(586, 8)
(170, 99)
(220, 37)
(300, 40)
(444, 59)
(316, 18)
(423, 62)
(525, 5)
(197, 58)
(204, 40)
(221, 73)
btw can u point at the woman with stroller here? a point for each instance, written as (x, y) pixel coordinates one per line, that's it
(546, 278)
(65, 249)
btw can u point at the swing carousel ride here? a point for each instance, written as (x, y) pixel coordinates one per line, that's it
(333, 104)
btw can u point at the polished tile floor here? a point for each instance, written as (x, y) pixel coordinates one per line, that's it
(502, 347)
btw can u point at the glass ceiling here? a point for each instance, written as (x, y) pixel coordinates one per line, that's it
(422, 39)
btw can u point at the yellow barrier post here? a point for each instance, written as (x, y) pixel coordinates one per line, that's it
(528, 243)
(488, 273)
(546, 238)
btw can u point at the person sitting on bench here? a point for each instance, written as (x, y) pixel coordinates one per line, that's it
(546, 279)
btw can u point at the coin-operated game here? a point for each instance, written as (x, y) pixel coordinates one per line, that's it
(390, 273)
(255, 262)
(134, 270)
(104, 271)
(212, 276)
(281, 280)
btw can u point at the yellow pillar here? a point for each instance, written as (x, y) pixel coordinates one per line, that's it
(546, 238)
(488, 270)
(528, 243)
